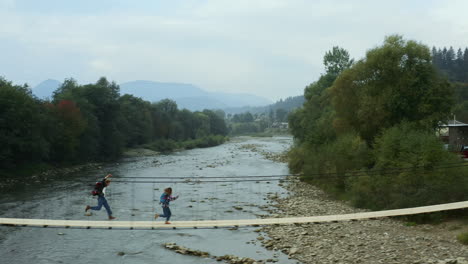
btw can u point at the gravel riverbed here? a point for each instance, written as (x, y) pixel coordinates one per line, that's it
(370, 241)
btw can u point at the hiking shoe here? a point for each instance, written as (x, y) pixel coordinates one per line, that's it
(112, 217)
(87, 208)
(156, 216)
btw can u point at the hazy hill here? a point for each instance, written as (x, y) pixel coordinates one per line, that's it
(155, 91)
(186, 95)
(189, 96)
(46, 88)
(287, 104)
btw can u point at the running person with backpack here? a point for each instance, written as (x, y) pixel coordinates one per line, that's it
(100, 191)
(165, 199)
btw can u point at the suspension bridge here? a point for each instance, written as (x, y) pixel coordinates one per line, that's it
(230, 223)
(117, 224)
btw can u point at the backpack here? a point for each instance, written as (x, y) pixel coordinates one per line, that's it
(164, 199)
(97, 189)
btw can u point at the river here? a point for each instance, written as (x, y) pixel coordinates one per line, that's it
(66, 198)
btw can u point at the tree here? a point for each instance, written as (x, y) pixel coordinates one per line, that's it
(336, 61)
(312, 124)
(217, 124)
(394, 83)
(281, 114)
(21, 126)
(137, 125)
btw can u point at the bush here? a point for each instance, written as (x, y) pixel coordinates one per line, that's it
(327, 165)
(203, 142)
(244, 128)
(296, 159)
(385, 187)
(463, 238)
(163, 145)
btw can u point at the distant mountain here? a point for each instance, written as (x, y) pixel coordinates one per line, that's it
(189, 96)
(287, 104)
(185, 95)
(155, 91)
(46, 88)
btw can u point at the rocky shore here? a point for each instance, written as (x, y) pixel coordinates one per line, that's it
(47, 175)
(371, 241)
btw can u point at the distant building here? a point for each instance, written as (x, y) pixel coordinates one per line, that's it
(282, 125)
(455, 134)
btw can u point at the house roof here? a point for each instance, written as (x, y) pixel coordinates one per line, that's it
(454, 123)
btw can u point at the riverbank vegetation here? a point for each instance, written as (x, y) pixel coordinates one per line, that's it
(260, 124)
(93, 122)
(366, 132)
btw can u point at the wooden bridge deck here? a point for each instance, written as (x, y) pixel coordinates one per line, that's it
(229, 223)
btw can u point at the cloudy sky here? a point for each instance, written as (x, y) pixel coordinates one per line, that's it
(271, 48)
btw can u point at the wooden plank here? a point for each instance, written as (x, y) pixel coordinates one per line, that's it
(228, 223)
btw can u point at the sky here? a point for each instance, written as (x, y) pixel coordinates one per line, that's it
(270, 48)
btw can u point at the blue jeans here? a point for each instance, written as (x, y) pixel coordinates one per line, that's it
(102, 201)
(166, 213)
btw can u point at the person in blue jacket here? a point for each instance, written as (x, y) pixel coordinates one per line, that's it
(165, 199)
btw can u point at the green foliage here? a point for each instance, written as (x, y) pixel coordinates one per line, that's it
(68, 125)
(163, 145)
(281, 115)
(362, 120)
(404, 146)
(460, 110)
(137, 124)
(167, 145)
(395, 82)
(327, 165)
(21, 126)
(246, 117)
(451, 64)
(463, 238)
(337, 60)
(93, 122)
(244, 128)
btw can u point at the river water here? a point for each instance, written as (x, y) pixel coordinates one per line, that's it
(67, 197)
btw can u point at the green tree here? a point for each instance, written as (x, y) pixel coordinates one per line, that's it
(217, 124)
(395, 82)
(281, 115)
(336, 61)
(68, 126)
(21, 133)
(137, 125)
(420, 152)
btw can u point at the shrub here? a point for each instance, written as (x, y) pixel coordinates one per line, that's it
(463, 238)
(422, 183)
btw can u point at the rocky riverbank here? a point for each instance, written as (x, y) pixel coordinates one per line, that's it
(47, 175)
(231, 259)
(372, 241)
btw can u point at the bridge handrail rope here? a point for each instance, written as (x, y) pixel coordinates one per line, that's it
(355, 173)
(385, 170)
(271, 177)
(324, 176)
(228, 223)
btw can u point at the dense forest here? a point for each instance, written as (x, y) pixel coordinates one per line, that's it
(366, 132)
(263, 121)
(454, 66)
(288, 104)
(94, 122)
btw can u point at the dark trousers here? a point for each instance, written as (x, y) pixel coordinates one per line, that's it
(166, 213)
